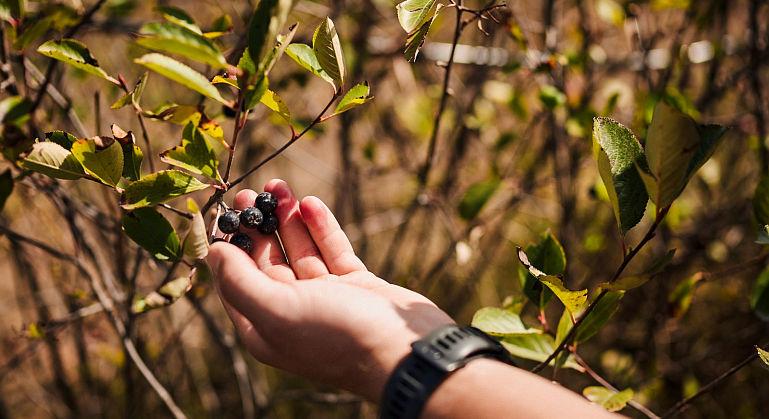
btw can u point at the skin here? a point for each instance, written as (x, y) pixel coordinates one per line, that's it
(316, 311)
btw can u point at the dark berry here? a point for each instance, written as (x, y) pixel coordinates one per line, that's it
(242, 241)
(269, 225)
(266, 203)
(251, 217)
(229, 222)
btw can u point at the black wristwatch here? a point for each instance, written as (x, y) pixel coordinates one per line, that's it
(431, 360)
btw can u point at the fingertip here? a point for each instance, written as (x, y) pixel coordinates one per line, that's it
(275, 186)
(313, 210)
(244, 199)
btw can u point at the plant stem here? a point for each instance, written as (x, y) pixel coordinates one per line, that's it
(294, 137)
(625, 261)
(423, 174)
(681, 405)
(177, 211)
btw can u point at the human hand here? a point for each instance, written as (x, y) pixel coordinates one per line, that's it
(316, 310)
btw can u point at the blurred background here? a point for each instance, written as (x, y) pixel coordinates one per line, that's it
(526, 81)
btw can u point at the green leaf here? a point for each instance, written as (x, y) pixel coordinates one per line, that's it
(150, 230)
(254, 93)
(304, 56)
(175, 39)
(416, 39)
(476, 197)
(681, 297)
(271, 100)
(764, 355)
(61, 138)
(223, 80)
(328, 50)
(676, 146)
(548, 256)
(617, 152)
(196, 242)
(221, 26)
(179, 17)
(194, 154)
(32, 32)
(176, 114)
(14, 110)
(76, 54)
(101, 158)
(412, 14)
(277, 51)
(599, 316)
(759, 299)
(6, 187)
(266, 22)
(53, 160)
(164, 296)
(132, 154)
(134, 96)
(500, 322)
(182, 74)
(574, 301)
(610, 400)
(356, 96)
(159, 187)
(761, 201)
(534, 347)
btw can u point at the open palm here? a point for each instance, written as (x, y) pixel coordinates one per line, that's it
(315, 309)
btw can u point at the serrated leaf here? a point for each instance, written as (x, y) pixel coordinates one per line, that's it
(574, 301)
(764, 355)
(328, 50)
(535, 347)
(759, 298)
(599, 316)
(105, 165)
(175, 39)
(150, 230)
(196, 242)
(182, 74)
(6, 187)
(159, 187)
(412, 14)
(76, 54)
(61, 138)
(617, 152)
(611, 400)
(356, 96)
(194, 154)
(271, 100)
(304, 56)
(548, 256)
(500, 322)
(676, 146)
(476, 197)
(53, 160)
(179, 17)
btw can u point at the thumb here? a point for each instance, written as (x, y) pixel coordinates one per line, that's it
(242, 285)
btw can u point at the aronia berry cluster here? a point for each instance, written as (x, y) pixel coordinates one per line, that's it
(260, 217)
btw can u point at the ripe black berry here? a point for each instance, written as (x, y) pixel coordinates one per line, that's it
(242, 241)
(229, 222)
(269, 225)
(266, 203)
(251, 217)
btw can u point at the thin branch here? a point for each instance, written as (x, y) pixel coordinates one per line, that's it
(681, 405)
(185, 214)
(625, 261)
(294, 137)
(424, 171)
(12, 235)
(591, 372)
(53, 63)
